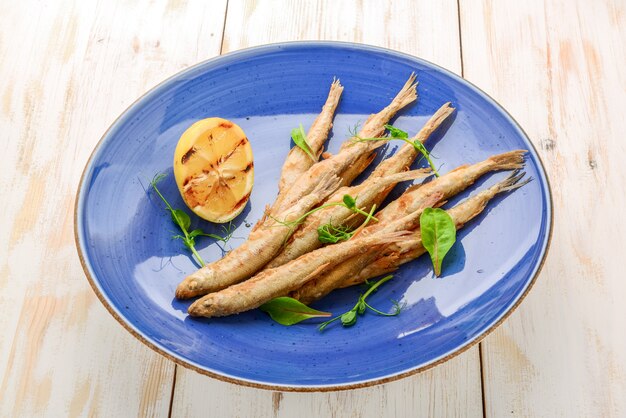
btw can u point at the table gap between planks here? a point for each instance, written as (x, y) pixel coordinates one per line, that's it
(70, 68)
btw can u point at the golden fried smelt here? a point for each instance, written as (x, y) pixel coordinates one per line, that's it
(297, 161)
(353, 157)
(393, 255)
(305, 239)
(449, 184)
(272, 283)
(263, 243)
(371, 192)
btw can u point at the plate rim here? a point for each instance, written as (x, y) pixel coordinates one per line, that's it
(242, 53)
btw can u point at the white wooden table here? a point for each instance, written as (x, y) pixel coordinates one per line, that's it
(68, 68)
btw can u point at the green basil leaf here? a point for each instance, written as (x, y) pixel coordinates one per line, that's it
(181, 219)
(349, 318)
(349, 201)
(289, 311)
(396, 133)
(299, 138)
(438, 235)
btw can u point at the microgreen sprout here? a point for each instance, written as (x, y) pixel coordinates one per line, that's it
(348, 202)
(399, 134)
(350, 317)
(183, 221)
(299, 138)
(331, 234)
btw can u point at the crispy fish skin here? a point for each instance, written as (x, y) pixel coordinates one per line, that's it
(331, 279)
(407, 153)
(405, 156)
(307, 181)
(305, 239)
(353, 157)
(272, 283)
(390, 261)
(297, 161)
(414, 198)
(374, 126)
(395, 254)
(450, 184)
(263, 244)
(371, 191)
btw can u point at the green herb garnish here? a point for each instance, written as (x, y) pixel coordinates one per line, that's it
(438, 235)
(399, 134)
(299, 138)
(331, 234)
(348, 202)
(349, 318)
(183, 221)
(289, 311)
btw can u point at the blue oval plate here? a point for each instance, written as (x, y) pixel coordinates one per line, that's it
(124, 236)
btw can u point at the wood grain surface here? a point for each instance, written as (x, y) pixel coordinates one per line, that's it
(69, 68)
(558, 67)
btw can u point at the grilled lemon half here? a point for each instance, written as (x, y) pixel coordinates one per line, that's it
(214, 169)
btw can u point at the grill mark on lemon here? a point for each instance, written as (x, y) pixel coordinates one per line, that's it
(188, 155)
(242, 201)
(243, 141)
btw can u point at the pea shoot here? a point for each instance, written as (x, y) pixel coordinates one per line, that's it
(299, 138)
(328, 233)
(350, 317)
(183, 221)
(399, 134)
(331, 234)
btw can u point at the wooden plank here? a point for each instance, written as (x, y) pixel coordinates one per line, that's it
(558, 67)
(428, 30)
(449, 390)
(68, 70)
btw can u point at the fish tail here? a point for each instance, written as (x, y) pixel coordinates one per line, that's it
(512, 182)
(472, 207)
(408, 93)
(511, 160)
(335, 91)
(434, 122)
(336, 84)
